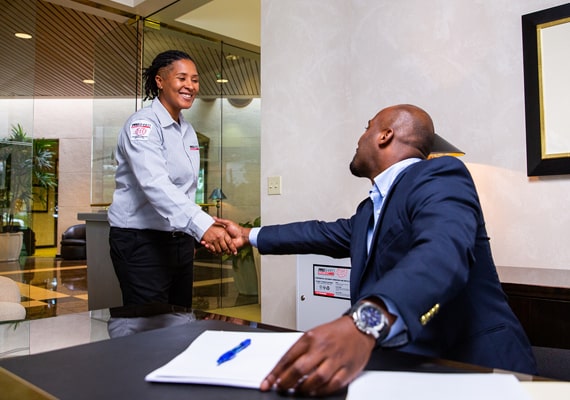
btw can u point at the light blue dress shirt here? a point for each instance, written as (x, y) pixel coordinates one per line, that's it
(383, 183)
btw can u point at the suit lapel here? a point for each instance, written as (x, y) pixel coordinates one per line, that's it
(360, 254)
(360, 258)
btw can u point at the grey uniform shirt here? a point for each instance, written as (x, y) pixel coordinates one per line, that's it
(156, 178)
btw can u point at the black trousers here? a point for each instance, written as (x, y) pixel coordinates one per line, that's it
(153, 266)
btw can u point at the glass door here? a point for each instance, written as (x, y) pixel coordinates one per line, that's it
(226, 117)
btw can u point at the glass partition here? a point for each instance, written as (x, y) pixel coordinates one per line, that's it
(16, 191)
(116, 60)
(226, 117)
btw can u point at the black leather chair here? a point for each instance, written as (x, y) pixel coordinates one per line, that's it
(552, 363)
(74, 243)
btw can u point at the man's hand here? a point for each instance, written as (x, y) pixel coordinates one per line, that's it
(239, 234)
(323, 361)
(218, 241)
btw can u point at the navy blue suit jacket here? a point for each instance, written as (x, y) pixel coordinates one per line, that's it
(431, 257)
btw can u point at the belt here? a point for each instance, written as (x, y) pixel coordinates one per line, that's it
(175, 234)
(179, 234)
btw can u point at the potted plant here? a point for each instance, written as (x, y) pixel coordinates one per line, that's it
(243, 265)
(24, 163)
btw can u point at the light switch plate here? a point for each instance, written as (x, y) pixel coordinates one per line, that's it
(273, 185)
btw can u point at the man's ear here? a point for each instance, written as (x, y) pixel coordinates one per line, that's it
(385, 137)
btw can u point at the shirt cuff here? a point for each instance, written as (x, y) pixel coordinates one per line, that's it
(253, 236)
(398, 331)
(199, 224)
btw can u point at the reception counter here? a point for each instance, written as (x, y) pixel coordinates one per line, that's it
(102, 283)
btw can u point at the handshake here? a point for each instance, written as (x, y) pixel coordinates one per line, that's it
(225, 237)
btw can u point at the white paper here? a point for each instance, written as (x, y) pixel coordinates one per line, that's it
(436, 386)
(543, 390)
(198, 363)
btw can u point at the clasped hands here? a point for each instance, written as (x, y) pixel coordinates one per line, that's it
(225, 237)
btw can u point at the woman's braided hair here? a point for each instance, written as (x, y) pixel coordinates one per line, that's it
(162, 60)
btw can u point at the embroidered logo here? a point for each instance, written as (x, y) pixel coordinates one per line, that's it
(140, 130)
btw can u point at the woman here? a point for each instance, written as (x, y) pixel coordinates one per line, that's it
(154, 219)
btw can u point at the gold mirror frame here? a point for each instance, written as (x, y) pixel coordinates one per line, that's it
(547, 93)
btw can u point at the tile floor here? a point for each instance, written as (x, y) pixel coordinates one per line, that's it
(54, 293)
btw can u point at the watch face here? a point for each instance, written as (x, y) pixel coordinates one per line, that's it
(369, 319)
(371, 316)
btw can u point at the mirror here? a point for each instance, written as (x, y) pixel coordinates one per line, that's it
(546, 58)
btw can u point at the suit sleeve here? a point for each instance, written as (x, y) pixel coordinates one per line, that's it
(309, 237)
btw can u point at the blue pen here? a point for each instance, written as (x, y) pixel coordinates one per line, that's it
(228, 355)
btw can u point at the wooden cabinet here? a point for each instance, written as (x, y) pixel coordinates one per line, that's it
(543, 311)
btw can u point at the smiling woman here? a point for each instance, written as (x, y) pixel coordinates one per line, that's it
(154, 219)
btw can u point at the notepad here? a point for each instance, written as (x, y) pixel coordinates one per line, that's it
(198, 363)
(436, 386)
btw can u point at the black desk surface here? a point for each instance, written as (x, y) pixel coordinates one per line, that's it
(115, 368)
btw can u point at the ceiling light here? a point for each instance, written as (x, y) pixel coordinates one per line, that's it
(220, 79)
(23, 35)
(232, 57)
(88, 81)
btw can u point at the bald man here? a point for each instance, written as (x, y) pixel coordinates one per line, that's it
(423, 279)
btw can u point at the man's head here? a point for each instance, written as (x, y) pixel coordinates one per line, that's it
(394, 134)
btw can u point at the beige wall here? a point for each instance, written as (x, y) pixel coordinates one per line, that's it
(343, 60)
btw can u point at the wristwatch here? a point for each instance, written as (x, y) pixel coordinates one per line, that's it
(369, 319)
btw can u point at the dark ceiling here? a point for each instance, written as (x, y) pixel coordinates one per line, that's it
(69, 46)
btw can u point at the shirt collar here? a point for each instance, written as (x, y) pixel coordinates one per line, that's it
(386, 178)
(163, 115)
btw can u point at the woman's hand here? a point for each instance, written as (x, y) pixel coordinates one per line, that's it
(218, 241)
(236, 237)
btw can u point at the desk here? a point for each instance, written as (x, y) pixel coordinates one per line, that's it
(115, 368)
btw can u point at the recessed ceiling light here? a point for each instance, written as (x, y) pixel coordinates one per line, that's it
(232, 57)
(23, 35)
(89, 81)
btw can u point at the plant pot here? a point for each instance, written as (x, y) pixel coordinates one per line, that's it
(10, 245)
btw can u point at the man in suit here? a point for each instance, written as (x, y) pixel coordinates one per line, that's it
(423, 279)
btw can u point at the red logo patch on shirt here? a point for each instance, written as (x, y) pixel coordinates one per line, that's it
(140, 130)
